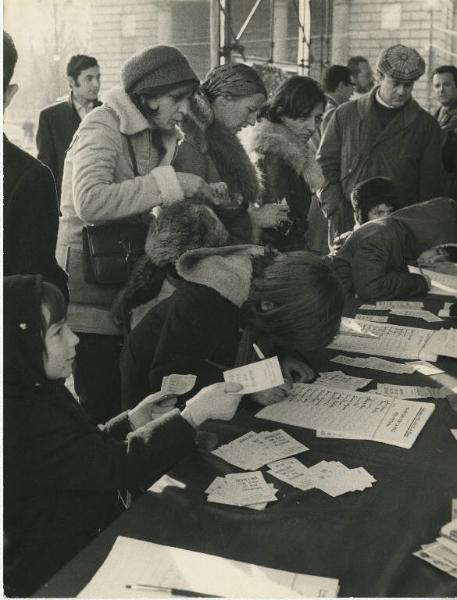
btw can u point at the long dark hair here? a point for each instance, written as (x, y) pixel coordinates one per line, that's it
(295, 98)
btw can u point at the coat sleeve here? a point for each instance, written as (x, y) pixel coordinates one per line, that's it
(430, 165)
(273, 181)
(97, 197)
(189, 159)
(36, 224)
(45, 144)
(329, 158)
(60, 453)
(374, 280)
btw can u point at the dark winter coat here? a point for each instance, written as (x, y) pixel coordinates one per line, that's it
(214, 153)
(61, 473)
(290, 171)
(373, 263)
(30, 217)
(56, 127)
(354, 148)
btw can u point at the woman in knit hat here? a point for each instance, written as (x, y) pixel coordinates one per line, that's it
(118, 168)
(228, 100)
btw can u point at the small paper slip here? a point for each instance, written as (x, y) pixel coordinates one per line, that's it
(442, 283)
(375, 318)
(442, 553)
(253, 450)
(410, 391)
(178, 384)
(241, 489)
(293, 472)
(366, 416)
(350, 326)
(338, 379)
(445, 311)
(394, 341)
(425, 368)
(454, 433)
(425, 315)
(371, 307)
(382, 304)
(135, 561)
(258, 376)
(373, 362)
(450, 530)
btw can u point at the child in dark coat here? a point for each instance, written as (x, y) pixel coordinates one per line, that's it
(62, 475)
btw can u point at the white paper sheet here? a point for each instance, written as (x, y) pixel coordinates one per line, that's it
(375, 318)
(375, 363)
(411, 391)
(134, 561)
(394, 341)
(363, 415)
(443, 284)
(258, 376)
(340, 380)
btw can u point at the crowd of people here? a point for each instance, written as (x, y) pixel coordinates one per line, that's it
(182, 241)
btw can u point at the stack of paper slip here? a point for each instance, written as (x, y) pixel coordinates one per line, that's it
(425, 315)
(442, 553)
(411, 391)
(332, 477)
(375, 318)
(253, 450)
(340, 380)
(406, 304)
(242, 489)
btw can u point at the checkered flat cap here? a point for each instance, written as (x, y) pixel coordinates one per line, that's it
(401, 63)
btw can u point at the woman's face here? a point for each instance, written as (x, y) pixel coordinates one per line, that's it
(304, 127)
(60, 343)
(170, 108)
(236, 113)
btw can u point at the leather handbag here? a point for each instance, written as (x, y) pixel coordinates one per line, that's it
(111, 249)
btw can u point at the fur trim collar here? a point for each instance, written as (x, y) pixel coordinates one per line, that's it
(228, 269)
(275, 138)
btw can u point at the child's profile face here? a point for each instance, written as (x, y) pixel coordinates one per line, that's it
(60, 343)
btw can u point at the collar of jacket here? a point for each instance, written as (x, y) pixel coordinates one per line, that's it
(227, 270)
(365, 106)
(278, 140)
(197, 121)
(130, 118)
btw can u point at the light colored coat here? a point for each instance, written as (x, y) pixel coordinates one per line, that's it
(99, 186)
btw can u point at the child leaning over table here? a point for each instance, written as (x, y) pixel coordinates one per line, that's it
(61, 473)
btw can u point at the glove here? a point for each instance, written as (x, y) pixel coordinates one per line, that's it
(150, 408)
(217, 401)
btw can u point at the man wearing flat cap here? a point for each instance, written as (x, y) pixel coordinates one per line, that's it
(383, 133)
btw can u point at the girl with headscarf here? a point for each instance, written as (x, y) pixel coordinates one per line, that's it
(62, 474)
(228, 100)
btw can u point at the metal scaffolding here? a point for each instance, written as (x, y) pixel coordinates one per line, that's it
(225, 41)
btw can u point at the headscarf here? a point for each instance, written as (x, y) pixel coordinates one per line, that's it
(234, 79)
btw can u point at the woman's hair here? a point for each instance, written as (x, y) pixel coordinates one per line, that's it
(235, 79)
(53, 299)
(306, 296)
(140, 100)
(295, 98)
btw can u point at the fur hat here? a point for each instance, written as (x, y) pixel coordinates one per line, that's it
(401, 63)
(155, 67)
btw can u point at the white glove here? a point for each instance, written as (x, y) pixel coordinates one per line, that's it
(217, 401)
(150, 408)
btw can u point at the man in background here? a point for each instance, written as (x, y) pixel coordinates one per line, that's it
(362, 75)
(445, 89)
(338, 88)
(383, 133)
(58, 122)
(30, 211)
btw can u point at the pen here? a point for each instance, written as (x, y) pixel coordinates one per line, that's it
(168, 590)
(258, 351)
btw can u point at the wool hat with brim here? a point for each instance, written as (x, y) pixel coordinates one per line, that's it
(156, 67)
(401, 63)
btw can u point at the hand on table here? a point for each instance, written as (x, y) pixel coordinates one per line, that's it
(273, 395)
(296, 370)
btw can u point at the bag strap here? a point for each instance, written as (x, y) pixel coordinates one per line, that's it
(132, 156)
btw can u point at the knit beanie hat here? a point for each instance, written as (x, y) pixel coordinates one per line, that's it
(401, 63)
(155, 67)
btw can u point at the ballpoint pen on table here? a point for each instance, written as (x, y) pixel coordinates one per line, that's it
(168, 590)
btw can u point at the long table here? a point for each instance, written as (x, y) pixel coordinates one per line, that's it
(365, 539)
